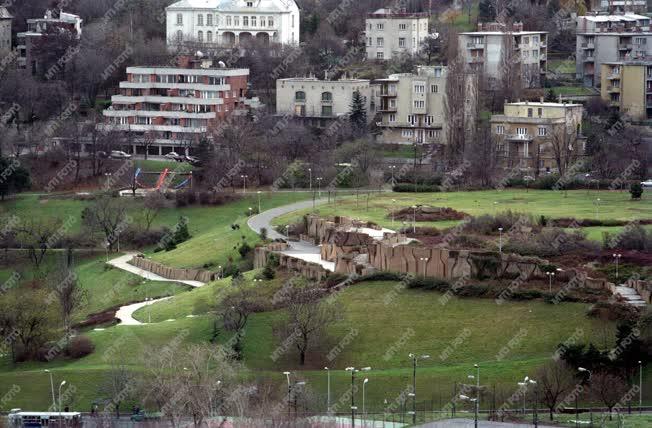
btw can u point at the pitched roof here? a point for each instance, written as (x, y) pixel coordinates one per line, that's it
(4, 13)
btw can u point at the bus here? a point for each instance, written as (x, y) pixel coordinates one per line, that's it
(19, 419)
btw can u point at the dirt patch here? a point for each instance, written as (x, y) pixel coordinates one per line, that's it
(428, 214)
(106, 317)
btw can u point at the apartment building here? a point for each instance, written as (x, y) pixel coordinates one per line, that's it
(220, 22)
(618, 6)
(412, 107)
(391, 33)
(526, 131)
(627, 86)
(172, 108)
(487, 49)
(609, 38)
(54, 22)
(5, 31)
(318, 102)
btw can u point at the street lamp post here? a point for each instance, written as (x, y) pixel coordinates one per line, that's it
(425, 264)
(477, 384)
(319, 179)
(617, 257)
(244, 183)
(310, 179)
(353, 371)
(391, 169)
(640, 387)
(258, 193)
(364, 409)
(597, 208)
(550, 276)
(328, 392)
(54, 404)
(415, 358)
(414, 219)
(583, 370)
(63, 382)
(500, 240)
(393, 210)
(475, 402)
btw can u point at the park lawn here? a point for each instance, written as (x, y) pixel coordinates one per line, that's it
(382, 341)
(573, 90)
(596, 233)
(213, 242)
(580, 204)
(398, 151)
(106, 286)
(562, 66)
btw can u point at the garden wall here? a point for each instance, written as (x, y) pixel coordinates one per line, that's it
(643, 288)
(173, 273)
(305, 268)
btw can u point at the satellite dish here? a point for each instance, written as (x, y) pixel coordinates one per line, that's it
(221, 64)
(199, 54)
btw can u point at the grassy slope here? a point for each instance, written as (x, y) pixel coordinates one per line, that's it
(577, 203)
(213, 239)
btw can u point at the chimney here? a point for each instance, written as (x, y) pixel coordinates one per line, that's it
(541, 100)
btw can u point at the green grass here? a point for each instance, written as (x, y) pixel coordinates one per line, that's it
(151, 165)
(563, 66)
(398, 151)
(213, 239)
(572, 90)
(575, 203)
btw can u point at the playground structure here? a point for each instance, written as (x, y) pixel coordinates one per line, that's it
(163, 182)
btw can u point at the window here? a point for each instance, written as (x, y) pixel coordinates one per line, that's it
(236, 21)
(379, 55)
(407, 133)
(216, 80)
(535, 39)
(401, 42)
(228, 21)
(200, 36)
(140, 78)
(402, 26)
(529, 112)
(380, 26)
(300, 110)
(250, 4)
(640, 40)
(392, 118)
(434, 134)
(300, 96)
(540, 111)
(429, 120)
(262, 21)
(434, 88)
(326, 110)
(380, 41)
(179, 36)
(526, 40)
(437, 72)
(411, 119)
(292, 21)
(521, 131)
(369, 41)
(245, 21)
(419, 104)
(253, 21)
(500, 129)
(542, 131)
(270, 21)
(535, 54)
(209, 19)
(326, 96)
(179, 19)
(200, 19)
(419, 87)
(209, 36)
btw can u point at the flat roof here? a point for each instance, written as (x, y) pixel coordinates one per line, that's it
(163, 69)
(499, 33)
(542, 104)
(614, 18)
(641, 62)
(315, 80)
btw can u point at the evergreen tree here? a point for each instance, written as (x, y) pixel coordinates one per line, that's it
(486, 11)
(14, 178)
(358, 116)
(550, 96)
(181, 233)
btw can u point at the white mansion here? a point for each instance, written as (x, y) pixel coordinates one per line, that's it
(229, 22)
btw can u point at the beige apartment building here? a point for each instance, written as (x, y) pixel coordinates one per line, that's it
(526, 131)
(609, 38)
(5, 31)
(391, 33)
(487, 49)
(318, 102)
(627, 86)
(412, 107)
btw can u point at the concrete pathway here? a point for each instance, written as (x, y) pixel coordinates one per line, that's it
(469, 423)
(631, 296)
(125, 313)
(122, 263)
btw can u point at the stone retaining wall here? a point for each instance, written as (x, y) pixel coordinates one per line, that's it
(643, 288)
(305, 268)
(173, 273)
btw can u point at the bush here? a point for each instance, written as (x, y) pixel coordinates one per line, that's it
(488, 225)
(244, 249)
(551, 242)
(632, 237)
(79, 347)
(382, 275)
(334, 278)
(426, 283)
(471, 290)
(525, 295)
(636, 190)
(405, 187)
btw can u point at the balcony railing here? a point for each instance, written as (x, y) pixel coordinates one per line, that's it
(387, 93)
(589, 58)
(613, 88)
(327, 102)
(476, 59)
(624, 46)
(588, 45)
(474, 45)
(519, 137)
(388, 109)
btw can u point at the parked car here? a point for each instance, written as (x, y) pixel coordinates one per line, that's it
(647, 183)
(101, 154)
(141, 416)
(119, 154)
(174, 156)
(191, 159)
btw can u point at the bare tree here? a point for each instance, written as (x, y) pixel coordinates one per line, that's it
(564, 147)
(153, 203)
(555, 382)
(38, 236)
(65, 286)
(511, 81)
(608, 388)
(119, 386)
(308, 316)
(109, 216)
(235, 308)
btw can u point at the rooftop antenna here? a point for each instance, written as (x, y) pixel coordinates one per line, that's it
(221, 64)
